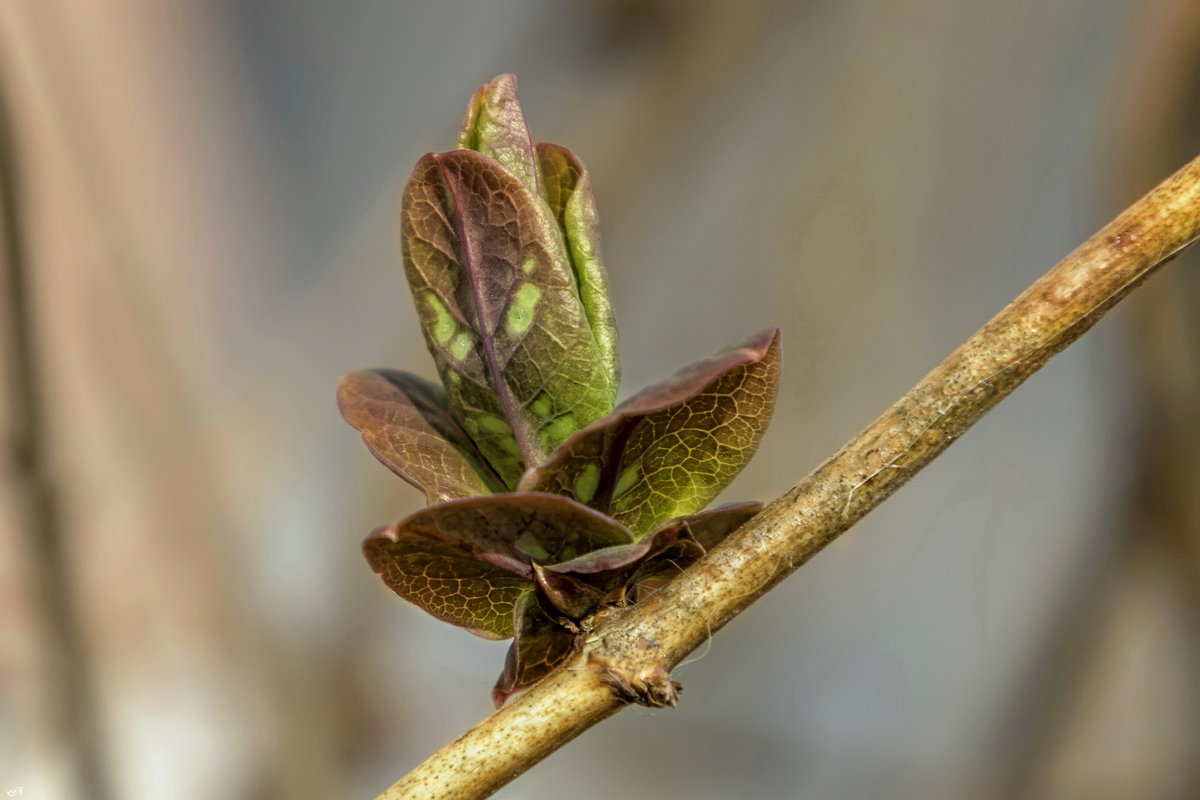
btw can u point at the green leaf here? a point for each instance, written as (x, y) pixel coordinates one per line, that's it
(495, 126)
(540, 646)
(670, 449)
(447, 581)
(406, 424)
(567, 189)
(499, 307)
(511, 530)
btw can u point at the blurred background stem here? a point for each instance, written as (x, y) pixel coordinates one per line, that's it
(72, 697)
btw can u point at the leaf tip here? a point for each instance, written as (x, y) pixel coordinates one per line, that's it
(347, 394)
(387, 532)
(763, 341)
(494, 125)
(375, 546)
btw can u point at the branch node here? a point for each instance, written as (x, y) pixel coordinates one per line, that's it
(649, 686)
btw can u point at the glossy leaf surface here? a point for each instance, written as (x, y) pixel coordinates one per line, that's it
(669, 450)
(540, 646)
(406, 423)
(499, 307)
(566, 188)
(447, 581)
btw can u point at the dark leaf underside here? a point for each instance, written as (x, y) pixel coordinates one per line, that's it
(447, 581)
(467, 561)
(510, 530)
(540, 646)
(406, 423)
(571, 596)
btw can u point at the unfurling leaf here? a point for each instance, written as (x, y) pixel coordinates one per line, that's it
(406, 424)
(495, 126)
(500, 310)
(540, 646)
(568, 191)
(447, 581)
(668, 450)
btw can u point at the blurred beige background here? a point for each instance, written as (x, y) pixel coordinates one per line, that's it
(206, 192)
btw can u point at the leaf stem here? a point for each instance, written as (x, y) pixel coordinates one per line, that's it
(632, 650)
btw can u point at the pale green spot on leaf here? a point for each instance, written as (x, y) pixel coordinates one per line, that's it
(557, 431)
(541, 405)
(497, 430)
(520, 313)
(461, 243)
(492, 425)
(627, 480)
(460, 348)
(586, 482)
(444, 325)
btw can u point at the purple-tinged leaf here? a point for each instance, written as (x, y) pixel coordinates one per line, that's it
(705, 530)
(571, 596)
(495, 126)
(447, 581)
(511, 530)
(406, 424)
(567, 189)
(500, 310)
(540, 646)
(709, 528)
(605, 559)
(611, 569)
(668, 450)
